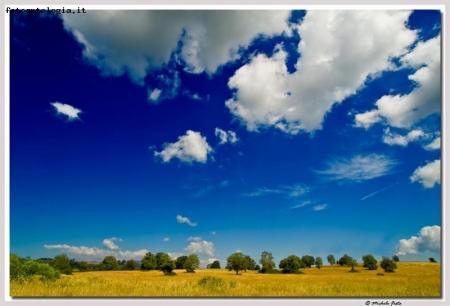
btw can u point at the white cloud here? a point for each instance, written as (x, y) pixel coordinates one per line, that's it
(204, 247)
(189, 148)
(96, 252)
(320, 207)
(136, 41)
(288, 191)
(367, 119)
(66, 110)
(372, 194)
(194, 238)
(213, 233)
(396, 139)
(186, 220)
(166, 239)
(403, 111)
(174, 255)
(336, 58)
(358, 168)
(225, 137)
(109, 243)
(428, 175)
(429, 239)
(303, 204)
(154, 94)
(434, 145)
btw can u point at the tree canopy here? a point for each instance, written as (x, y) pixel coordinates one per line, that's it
(266, 261)
(192, 262)
(237, 262)
(331, 260)
(291, 264)
(148, 262)
(369, 262)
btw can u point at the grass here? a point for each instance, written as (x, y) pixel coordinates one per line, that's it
(411, 279)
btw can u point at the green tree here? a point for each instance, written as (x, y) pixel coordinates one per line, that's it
(83, 267)
(352, 263)
(148, 262)
(62, 264)
(165, 263)
(308, 260)
(215, 265)
(237, 262)
(431, 259)
(291, 264)
(344, 260)
(331, 259)
(388, 264)
(192, 262)
(109, 263)
(130, 265)
(266, 261)
(15, 266)
(160, 258)
(395, 258)
(251, 264)
(179, 262)
(319, 262)
(369, 262)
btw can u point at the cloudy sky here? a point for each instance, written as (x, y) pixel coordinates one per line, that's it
(294, 132)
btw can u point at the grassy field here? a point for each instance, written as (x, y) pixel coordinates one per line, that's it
(411, 279)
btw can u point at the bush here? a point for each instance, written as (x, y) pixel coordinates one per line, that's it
(62, 263)
(388, 265)
(211, 281)
(24, 269)
(291, 264)
(370, 262)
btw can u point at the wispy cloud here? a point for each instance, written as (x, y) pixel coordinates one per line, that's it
(320, 207)
(186, 220)
(225, 137)
(288, 191)
(358, 168)
(303, 204)
(372, 194)
(166, 239)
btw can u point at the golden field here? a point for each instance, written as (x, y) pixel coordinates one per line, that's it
(411, 279)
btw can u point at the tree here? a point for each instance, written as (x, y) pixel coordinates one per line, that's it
(344, 260)
(130, 265)
(148, 262)
(431, 259)
(83, 267)
(179, 262)
(370, 262)
(266, 261)
(215, 265)
(395, 258)
(160, 259)
(250, 263)
(319, 262)
(291, 264)
(192, 262)
(109, 263)
(237, 262)
(164, 263)
(388, 264)
(308, 260)
(331, 259)
(352, 263)
(62, 264)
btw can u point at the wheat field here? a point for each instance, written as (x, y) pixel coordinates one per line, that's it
(411, 279)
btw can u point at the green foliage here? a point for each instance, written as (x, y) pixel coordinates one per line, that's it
(192, 262)
(308, 260)
(331, 260)
(319, 262)
(164, 263)
(215, 265)
(431, 259)
(345, 260)
(24, 269)
(388, 264)
(291, 264)
(267, 263)
(251, 264)
(179, 262)
(130, 265)
(62, 264)
(369, 262)
(211, 281)
(83, 267)
(352, 263)
(395, 258)
(109, 263)
(237, 262)
(148, 262)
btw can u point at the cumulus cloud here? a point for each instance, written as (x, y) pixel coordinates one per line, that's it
(186, 220)
(203, 246)
(358, 168)
(336, 58)
(67, 110)
(428, 175)
(434, 145)
(96, 252)
(109, 243)
(428, 239)
(135, 41)
(189, 148)
(404, 110)
(225, 137)
(396, 139)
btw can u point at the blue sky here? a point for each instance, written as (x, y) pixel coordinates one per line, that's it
(208, 132)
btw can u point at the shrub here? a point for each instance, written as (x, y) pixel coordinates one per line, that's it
(388, 265)
(370, 262)
(62, 263)
(291, 264)
(211, 281)
(24, 270)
